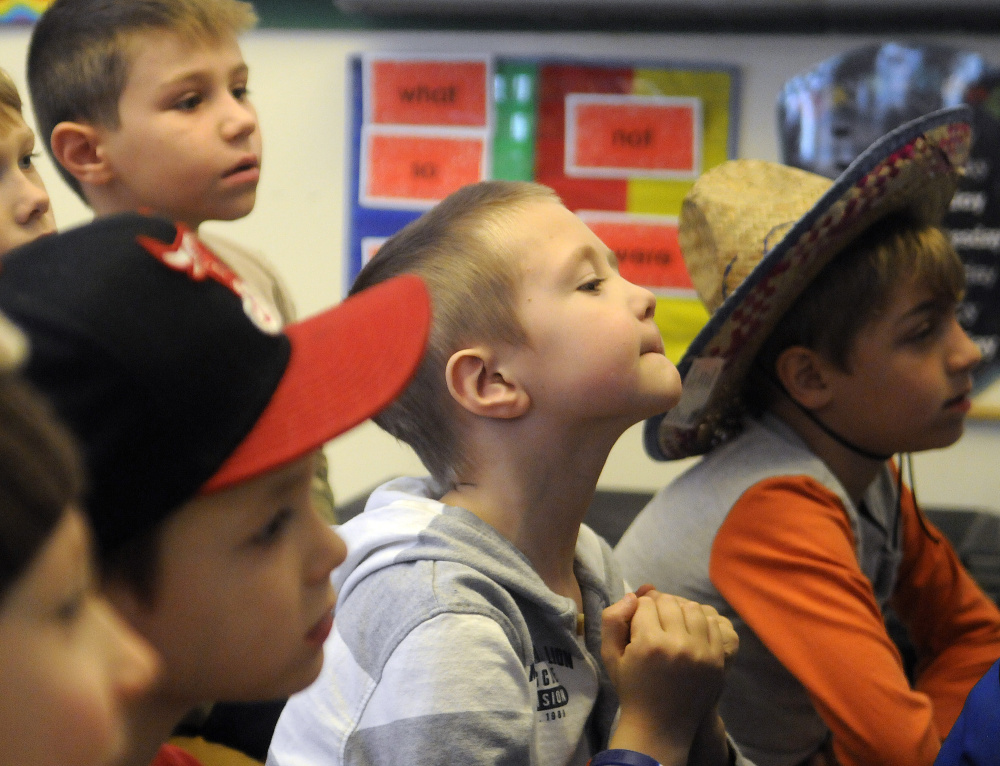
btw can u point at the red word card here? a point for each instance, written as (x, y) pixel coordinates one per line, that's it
(621, 136)
(413, 169)
(646, 248)
(419, 92)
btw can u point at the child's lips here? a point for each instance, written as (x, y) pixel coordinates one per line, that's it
(246, 171)
(654, 345)
(319, 632)
(961, 403)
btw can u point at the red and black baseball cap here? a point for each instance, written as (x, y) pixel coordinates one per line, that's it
(177, 379)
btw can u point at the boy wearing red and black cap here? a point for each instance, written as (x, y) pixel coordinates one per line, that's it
(199, 418)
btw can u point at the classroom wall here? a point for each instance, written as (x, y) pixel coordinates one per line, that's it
(298, 81)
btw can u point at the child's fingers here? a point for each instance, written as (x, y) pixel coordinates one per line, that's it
(645, 589)
(696, 620)
(661, 611)
(616, 625)
(730, 638)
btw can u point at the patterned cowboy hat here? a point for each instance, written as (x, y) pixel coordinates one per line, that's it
(755, 233)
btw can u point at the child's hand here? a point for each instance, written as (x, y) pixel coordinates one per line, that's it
(666, 657)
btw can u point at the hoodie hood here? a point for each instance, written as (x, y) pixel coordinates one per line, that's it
(404, 521)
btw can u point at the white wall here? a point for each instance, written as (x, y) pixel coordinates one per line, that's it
(298, 82)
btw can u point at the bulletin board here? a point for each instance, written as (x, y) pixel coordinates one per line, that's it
(621, 143)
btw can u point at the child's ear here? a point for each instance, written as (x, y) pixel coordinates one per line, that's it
(805, 375)
(77, 147)
(477, 383)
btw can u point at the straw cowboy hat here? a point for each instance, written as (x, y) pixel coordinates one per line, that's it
(755, 233)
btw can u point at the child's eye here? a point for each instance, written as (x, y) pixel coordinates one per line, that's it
(188, 103)
(70, 609)
(926, 330)
(27, 161)
(592, 285)
(274, 528)
(241, 92)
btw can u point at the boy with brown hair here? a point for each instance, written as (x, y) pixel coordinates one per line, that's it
(144, 105)
(833, 345)
(69, 665)
(469, 628)
(199, 418)
(25, 213)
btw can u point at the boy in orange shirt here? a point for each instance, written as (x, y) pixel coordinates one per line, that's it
(834, 344)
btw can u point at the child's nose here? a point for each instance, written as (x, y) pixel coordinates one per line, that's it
(33, 201)
(240, 119)
(645, 302)
(329, 552)
(965, 355)
(134, 664)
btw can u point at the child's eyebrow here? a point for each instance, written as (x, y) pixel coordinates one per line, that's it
(930, 306)
(589, 254)
(289, 480)
(199, 76)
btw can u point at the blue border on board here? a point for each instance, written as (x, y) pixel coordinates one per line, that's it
(364, 221)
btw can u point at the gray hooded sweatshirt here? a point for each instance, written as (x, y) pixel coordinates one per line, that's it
(448, 648)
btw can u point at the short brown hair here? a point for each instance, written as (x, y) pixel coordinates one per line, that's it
(80, 53)
(460, 249)
(852, 290)
(40, 476)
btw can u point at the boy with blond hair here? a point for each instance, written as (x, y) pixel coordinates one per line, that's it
(144, 106)
(199, 417)
(25, 213)
(834, 344)
(469, 629)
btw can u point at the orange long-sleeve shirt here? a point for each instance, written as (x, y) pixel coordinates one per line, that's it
(796, 581)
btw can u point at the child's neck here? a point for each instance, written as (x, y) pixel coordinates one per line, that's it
(854, 471)
(535, 488)
(151, 721)
(103, 206)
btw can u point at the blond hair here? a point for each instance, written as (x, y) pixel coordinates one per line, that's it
(460, 249)
(10, 102)
(81, 50)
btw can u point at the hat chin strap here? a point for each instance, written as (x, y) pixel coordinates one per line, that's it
(842, 441)
(868, 454)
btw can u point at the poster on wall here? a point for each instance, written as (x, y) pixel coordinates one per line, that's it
(22, 11)
(620, 143)
(831, 113)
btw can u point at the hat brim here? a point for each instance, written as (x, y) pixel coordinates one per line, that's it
(346, 365)
(914, 168)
